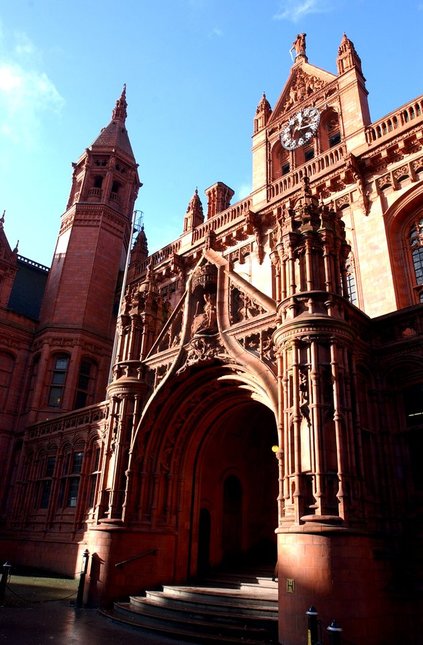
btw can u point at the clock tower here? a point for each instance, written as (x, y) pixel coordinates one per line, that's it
(314, 113)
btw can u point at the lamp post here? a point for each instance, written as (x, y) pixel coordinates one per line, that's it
(4, 578)
(82, 574)
(312, 626)
(334, 631)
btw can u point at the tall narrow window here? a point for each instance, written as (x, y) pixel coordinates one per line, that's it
(351, 284)
(95, 472)
(71, 474)
(46, 482)
(33, 374)
(416, 246)
(58, 380)
(7, 363)
(84, 386)
(413, 404)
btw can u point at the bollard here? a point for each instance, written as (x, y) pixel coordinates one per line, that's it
(83, 572)
(4, 578)
(312, 626)
(334, 631)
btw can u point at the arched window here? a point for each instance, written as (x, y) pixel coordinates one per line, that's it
(45, 482)
(330, 130)
(280, 161)
(351, 283)
(59, 372)
(7, 364)
(416, 247)
(71, 475)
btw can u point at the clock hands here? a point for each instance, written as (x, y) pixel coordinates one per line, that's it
(300, 128)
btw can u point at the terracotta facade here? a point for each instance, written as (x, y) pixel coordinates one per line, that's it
(265, 393)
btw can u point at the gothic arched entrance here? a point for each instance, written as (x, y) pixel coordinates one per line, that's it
(235, 479)
(234, 485)
(207, 479)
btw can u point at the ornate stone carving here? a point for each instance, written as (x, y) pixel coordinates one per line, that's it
(261, 345)
(301, 87)
(353, 167)
(242, 306)
(203, 348)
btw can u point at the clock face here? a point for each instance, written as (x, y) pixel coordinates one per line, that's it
(300, 128)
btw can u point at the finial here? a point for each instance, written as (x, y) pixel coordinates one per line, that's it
(15, 250)
(119, 112)
(2, 217)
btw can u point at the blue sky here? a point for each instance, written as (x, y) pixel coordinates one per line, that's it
(195, 71)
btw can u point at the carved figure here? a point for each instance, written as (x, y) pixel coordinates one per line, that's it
(206, 322)
(299, 45)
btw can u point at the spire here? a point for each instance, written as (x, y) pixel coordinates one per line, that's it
(194, 215)
(263, 113)
(119, 112)
(115, 135)
(139, 251)
(347, 56)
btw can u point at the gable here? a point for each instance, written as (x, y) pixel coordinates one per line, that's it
(304, 83)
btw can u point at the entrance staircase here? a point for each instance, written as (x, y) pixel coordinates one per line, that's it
(225, 608)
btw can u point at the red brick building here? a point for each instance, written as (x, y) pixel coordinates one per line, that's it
(289, 320)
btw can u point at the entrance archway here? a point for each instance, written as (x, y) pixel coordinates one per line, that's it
(207, 478)
(236, 480)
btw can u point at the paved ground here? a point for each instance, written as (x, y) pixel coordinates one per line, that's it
(37, 610)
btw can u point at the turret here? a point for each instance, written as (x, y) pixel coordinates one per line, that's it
(73, 345)
(194, 215)
(315, 341)
(352, 94)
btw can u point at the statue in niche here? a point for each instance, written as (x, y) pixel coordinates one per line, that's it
(304, 396)
(205, 322)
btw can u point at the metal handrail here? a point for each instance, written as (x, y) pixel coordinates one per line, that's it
(137, 557)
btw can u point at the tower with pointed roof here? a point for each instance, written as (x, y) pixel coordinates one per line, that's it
(77, 318)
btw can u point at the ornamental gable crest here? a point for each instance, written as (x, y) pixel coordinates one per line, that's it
(306, 84)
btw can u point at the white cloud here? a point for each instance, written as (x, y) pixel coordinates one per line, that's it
(295, 10)
(23, 45)
(216, 32)
(27, 94)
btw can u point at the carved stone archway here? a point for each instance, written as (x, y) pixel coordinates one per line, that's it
(208, 425)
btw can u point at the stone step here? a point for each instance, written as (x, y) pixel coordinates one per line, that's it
(185, 623)
(260, 597)
(203, 611)
(229, 608)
